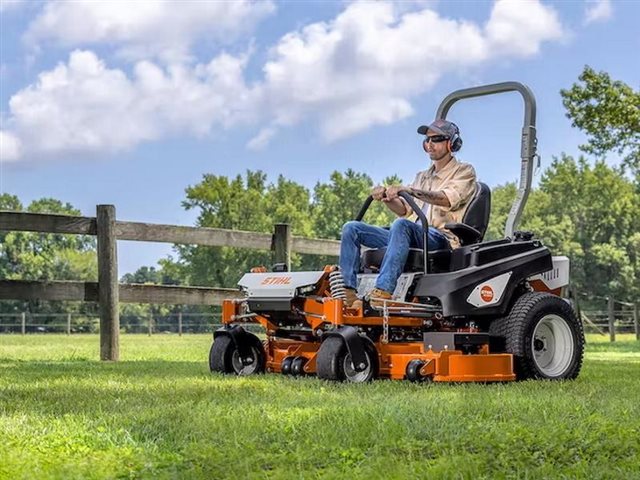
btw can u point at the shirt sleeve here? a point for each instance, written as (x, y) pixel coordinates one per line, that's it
(460, 187)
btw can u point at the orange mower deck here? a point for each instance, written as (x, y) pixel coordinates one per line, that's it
(393, 359)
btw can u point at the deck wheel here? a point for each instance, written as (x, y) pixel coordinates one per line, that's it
(413, 371)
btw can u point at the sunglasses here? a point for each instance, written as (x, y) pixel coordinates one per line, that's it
(435, 138)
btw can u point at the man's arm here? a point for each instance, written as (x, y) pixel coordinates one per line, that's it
(434, 197)
(396, 205)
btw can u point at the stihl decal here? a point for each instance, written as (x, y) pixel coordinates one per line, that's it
(276, 281)
(486, 293)
(489, 292)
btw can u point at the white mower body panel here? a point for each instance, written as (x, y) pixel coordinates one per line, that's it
(277, 284)
(555, 278)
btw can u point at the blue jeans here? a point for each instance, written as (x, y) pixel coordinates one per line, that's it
(403, 235)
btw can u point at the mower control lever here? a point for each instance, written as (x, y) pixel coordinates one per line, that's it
(423, 219)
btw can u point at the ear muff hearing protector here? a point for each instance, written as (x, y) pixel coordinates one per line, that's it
(455, 142)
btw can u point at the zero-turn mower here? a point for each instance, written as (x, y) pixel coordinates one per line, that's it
(483, 312)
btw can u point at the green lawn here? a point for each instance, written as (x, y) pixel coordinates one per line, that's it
(159, 413)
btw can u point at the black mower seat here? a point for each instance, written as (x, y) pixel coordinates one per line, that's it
(476, 219)
(472, 229)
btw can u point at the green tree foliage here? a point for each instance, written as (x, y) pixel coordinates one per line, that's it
(248, 203)
(590, 213)
(608, 112)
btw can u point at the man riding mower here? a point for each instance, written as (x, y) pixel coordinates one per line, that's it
(485, 311)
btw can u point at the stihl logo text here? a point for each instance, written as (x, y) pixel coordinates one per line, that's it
(276, 281)
(486, 293)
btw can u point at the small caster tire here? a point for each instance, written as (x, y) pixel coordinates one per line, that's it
(286, 365)
(224, 356)
(413, 371)
(297, 366)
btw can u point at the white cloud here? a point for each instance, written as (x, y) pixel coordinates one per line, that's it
(597, 11)
(262, 139)
(85, 106)
(362, 68)
(149, 28)
(518, 28)
(359, 70)
(9, 147)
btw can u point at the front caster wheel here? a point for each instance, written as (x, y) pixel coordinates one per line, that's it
(334, 362)
(297, 366)
(413, 371)
(285, 368)
(224, 356)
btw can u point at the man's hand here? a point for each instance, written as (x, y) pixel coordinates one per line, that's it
(393, 191)
(378, 192)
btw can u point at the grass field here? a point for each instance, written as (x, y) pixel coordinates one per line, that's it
(159, 413)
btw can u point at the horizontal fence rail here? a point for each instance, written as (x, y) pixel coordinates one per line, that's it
(153, 232)
(129, 292)
(47, 223)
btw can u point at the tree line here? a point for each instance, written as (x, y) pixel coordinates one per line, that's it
(585, 208)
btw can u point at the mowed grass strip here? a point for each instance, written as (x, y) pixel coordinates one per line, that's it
(159, 413)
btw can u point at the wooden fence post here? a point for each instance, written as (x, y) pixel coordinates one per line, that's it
(636, 320)
(282, 241)
(612, 331)
(23, 323)
(180, 323)
(68, 324)
(108, 293)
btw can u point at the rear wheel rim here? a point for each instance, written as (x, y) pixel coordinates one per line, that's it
(552, 345)
(242, 369)
(350, 372)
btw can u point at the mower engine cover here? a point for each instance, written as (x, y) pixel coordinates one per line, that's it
(277, 284)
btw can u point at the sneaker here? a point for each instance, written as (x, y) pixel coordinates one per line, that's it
(377, 297)
(352, 300)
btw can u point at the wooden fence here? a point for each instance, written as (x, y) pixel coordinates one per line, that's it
(109, 293)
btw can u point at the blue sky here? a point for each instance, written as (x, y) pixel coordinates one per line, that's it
(130, 103)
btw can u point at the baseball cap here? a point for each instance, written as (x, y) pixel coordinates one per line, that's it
(441, 126)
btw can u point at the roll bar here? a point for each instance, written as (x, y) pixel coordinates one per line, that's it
(528, 143)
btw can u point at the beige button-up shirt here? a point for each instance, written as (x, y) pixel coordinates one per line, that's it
(457, 180)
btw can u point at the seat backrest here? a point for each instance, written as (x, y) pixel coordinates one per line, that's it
(477, 214)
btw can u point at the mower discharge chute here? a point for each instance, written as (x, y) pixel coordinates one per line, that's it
(486, 311)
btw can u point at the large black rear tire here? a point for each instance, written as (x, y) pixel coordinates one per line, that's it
(334, 362)
(544, 335)
(225, 358)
